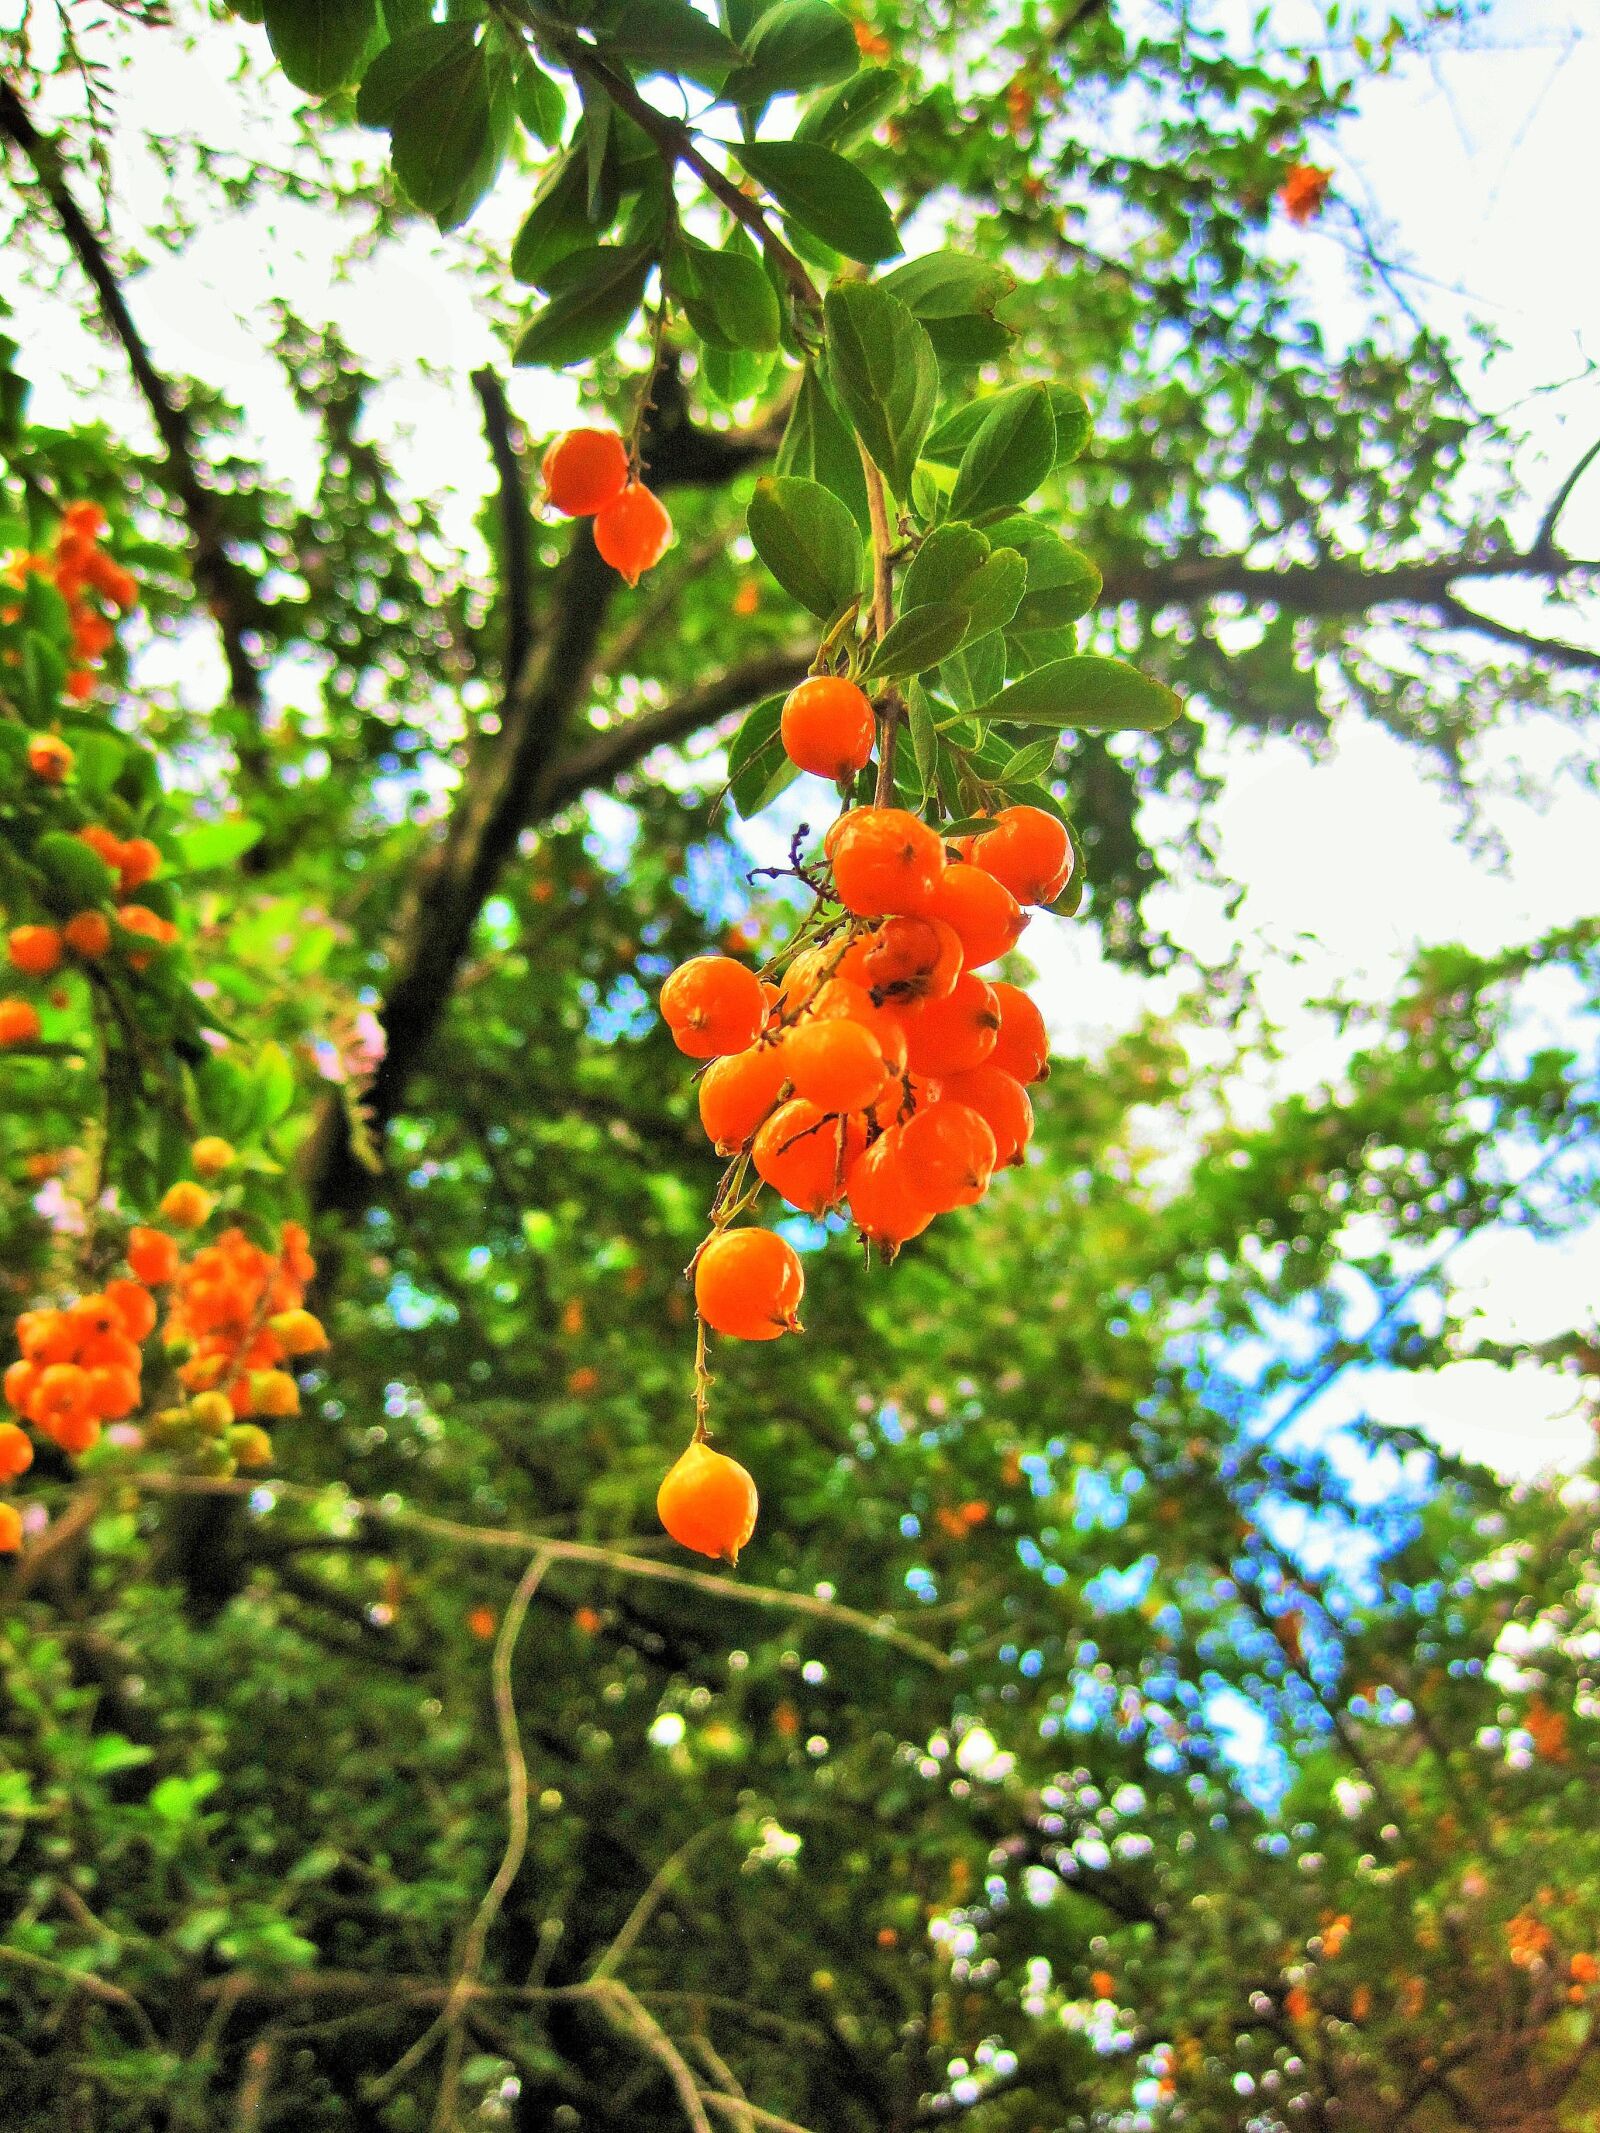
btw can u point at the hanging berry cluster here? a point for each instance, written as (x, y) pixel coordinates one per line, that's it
(589, 474)
(77, 565)
(875, 1070)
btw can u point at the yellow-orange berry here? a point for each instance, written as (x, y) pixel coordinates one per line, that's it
(949, 1153)
(211, 1155)
(274, 1392)
(1002, 1102)
(10, 1529)
(736, 1094)
(248, 1445)
(297, 1332)
(34, 950)
(19, 1022)
(1023, 1044)
(954, 1035)
(632, 532)
(708, 1502)
(153, 1255)
(806, 1155)
(981, 911)
(49, 757)
(885, 861)
(713, 1006)
(186, 1205)
(1028, 850)
(16, 1451)
(827, 727)
(584, 470)
(138, 861)
(88, 934)
(748, 1284)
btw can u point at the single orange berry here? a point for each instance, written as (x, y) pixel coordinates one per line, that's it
(10, 1529)
(16, 1451)
(135, 1308)
(834, 1062)
(186, 1205)
(49, 757)
(1028, 850)
(905, 960)
(113, 1393)
(827, 727)
(949, 1153)
(138, 861)
(632, 532)
(1002, 1102)
(19, 1022)
(211, 1155)
(713, 1006)
(153, 1256)
(806, 1155)
(274, 1392)
(736, 1094)
(584, 470)
(21, 1384)
(482, 1623)
(88, 934)
(1023, 1045)
(981, 911)
(748, 1284)
(148, 925)
(708, 1502)
(79, 685)
(885, 861)
(952, 1036)
(47, 1337)
(34, 950)
(298, 1332)
(882, 1204)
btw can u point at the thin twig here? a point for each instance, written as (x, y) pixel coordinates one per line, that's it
(515, 543)
(1544, 541)
(634, 2019)
(639, 1917)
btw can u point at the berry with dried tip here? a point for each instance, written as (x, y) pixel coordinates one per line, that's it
(49, 757)
(1023, 1045)
(737, 1092)
(19, 1022)
(827, 727)
(886, 862)
(952, 1036)
(713, 1006)
(748, 1284)
(982, 913)
(949, 1154)
(1028, 850)
(1001, 1100)
(584, 470)
(882, 1204)
(708, 1502)
(632, 532)
(905, 960)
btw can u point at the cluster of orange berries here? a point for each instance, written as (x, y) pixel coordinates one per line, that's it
(880, 1072)
(587, 475)
(77, 565)
(235, 1315)
(40, 950)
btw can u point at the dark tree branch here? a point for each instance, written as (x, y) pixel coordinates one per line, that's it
(1329, 587)
(224, 586)
(516, 544)
(1544, 541)
(1555, 649)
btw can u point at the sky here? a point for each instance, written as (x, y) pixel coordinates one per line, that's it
(1466, 162)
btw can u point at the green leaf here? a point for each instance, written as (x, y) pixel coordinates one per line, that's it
(955, 564)
(541, 106)
(110, 1752)
(1088, 693)
(948, 285)
(808, 540)
(673, 37)
(974, 673)
(1012, 451)
(950, 440)
(434, 91)
(557, 223)
(320, 44)
(214, 844)
(734, 374)
(727, 297)
(887, 375)
(924, 737)
(825, 194)
(1063, 582)
(799, 44)
(593, 296)
(758, 769)
(919, 640)
(179, 1799)
(274, 1083)
(78, 874)
(817, 444)
(842, 117)
(597, 116)
(1029, 762)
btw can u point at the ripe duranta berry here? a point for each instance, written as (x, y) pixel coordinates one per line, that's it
(905, 960)
(882, 1204)
(211, 1155)
(748, 1284)
(186, 1205)
(836, 1063)
(1002, 1102)
(982, 913)
(584, 470)
(34, 950)
(153, 1256)
(1028, 850)
(805, 1154)
(827, 727)
(1023, 1045)
(632, 531)
(949, 1153)
(708, 1503)
(736, 1094)
(954, 1035)
(49, 757)
(10, 1529)
(88, 934)
(713, 1006)
(886, 862)
(19, 1022)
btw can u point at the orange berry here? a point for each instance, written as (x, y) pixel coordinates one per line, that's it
(632, 532)
(63, 1389)
(102, 841)
(805, 1155)
(19, 1022)
(35, 950)
(905, 960)
(584, 470)
(16, 1451)
(186, 1205)
(708, 1502)
(748, 1284)
(47, 1337)
(834, 1062)
(949, 1154)
(827, 727)
(1023, 1046)
(885, 861)
(906, 1094)
(737, 1092)
(298, 1332)
(135, 1308)
(153, 1256)
(1028, 850)
(713, 1006)
(80, 685)
(88, 934)
(952, 1036)
(77, 1432)
(1002, 1102)
(138, 861)
(882, 1205)
(481, 1623)
(112, 1393)
(21, 1385)
(49, 757)
(274, 1392)
(211, 1155)
(982, 912)
(83, 520)
(10, 1529)
(137, 918)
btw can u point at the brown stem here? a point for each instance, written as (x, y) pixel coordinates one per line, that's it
(882, 619)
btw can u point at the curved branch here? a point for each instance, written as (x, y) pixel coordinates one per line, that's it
(1544, 541)
(516, 543)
